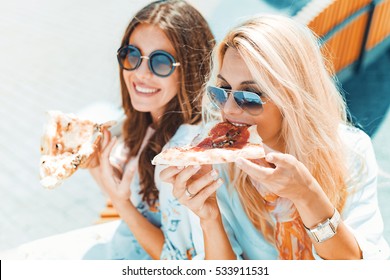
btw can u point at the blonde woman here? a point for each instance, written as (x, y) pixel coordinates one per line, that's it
(315, 193)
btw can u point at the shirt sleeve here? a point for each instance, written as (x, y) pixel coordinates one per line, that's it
(180, 226)
(183, 136)
(361, 213)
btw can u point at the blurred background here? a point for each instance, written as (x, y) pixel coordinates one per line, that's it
(61, 55)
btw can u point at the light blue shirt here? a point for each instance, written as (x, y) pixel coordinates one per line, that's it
(178, 222)
(174, 219)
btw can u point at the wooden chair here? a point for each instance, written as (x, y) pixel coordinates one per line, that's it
(378, 39)
(108, 214)
(349, 29)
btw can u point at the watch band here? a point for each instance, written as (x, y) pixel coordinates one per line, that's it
(325, 230)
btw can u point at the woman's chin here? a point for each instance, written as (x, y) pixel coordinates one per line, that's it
(144, 108)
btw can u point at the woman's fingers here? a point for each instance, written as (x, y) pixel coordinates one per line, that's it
(123, 185)
(187, 173)
(105, 155)
(196, 202)
(97, 141)
(128, 175)
(181, 180)
(199, 184)
(262, 162)
(255, 171)
(184, 184)
(281, 160)
(168, 174)
(106, 138)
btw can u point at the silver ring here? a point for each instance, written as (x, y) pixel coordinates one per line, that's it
(188, 193)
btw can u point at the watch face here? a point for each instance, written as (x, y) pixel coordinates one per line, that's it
(323, 231)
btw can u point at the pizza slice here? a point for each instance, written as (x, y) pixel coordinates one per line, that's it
(68, 143)
(224, 143)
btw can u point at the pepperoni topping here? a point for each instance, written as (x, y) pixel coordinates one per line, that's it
(225, 135)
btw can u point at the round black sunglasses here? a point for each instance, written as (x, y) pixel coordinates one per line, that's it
(248, 101)
(161, 63)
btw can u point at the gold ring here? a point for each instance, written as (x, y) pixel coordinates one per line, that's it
(187, 192)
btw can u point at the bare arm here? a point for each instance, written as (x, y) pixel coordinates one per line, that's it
(291, 179)
(217, 244)
(195, 188)
(314, 207)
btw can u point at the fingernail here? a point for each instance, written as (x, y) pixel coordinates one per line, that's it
(219, 182)
(196, 167)
(214, 175)
(180, 167)
(269, 157)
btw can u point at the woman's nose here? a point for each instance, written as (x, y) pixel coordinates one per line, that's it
(143, 71)
(231, 107)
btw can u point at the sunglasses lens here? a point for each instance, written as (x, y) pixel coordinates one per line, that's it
(249, 101)
(129, 58)
(161, 64)
(217, 96)
(133, 58)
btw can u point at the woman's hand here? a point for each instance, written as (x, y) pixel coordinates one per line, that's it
(110, 179)
(194, 187)
(93, 160)
(117, 187)
(281, 174)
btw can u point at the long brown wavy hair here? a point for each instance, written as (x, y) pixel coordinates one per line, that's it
(193, 40)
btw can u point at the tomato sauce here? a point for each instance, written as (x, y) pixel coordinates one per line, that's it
(225, 135)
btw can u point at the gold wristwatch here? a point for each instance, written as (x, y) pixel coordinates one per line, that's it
(325, 230)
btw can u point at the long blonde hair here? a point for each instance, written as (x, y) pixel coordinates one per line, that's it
(285, 60)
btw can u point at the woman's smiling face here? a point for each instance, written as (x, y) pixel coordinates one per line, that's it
(148, 92)
(235, 75)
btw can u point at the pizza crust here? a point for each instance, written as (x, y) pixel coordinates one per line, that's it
(67, 144)
(184, 156)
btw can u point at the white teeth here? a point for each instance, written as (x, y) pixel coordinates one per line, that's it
(239, 124)
(145, 90)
